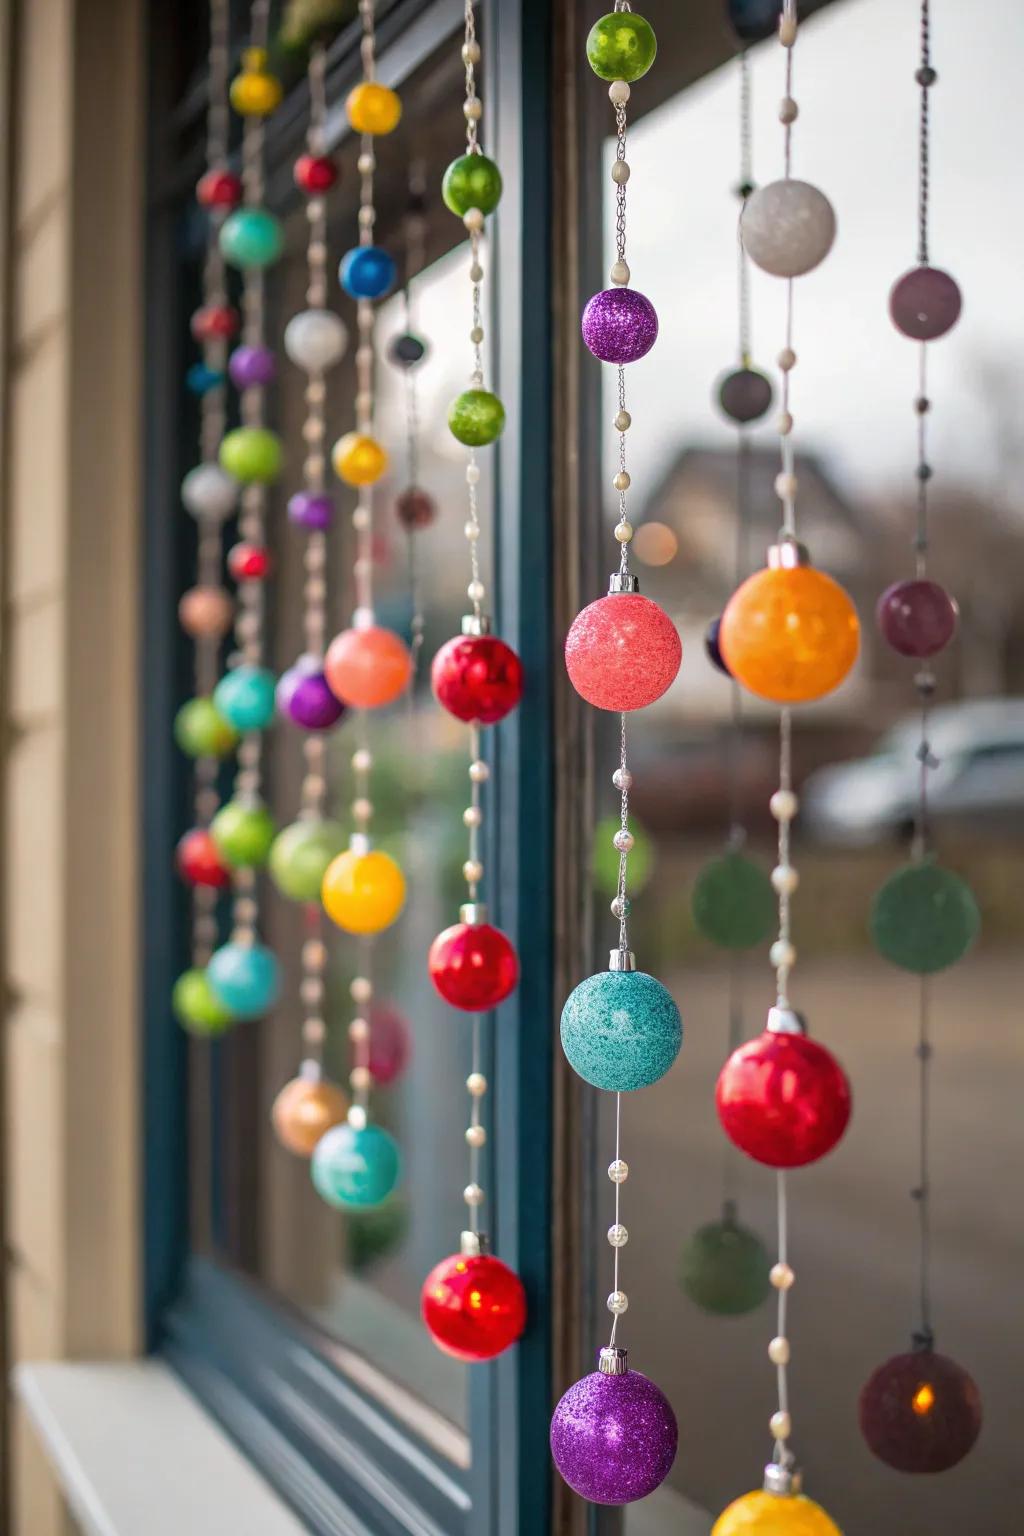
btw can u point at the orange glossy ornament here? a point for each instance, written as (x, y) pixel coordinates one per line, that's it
(789, 633)
(304, 1110)
(206, 612)
(367, 668)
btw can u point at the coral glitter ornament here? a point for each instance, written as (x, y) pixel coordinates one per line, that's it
(473, 1305)
(622, 652)
(477, 677)
(614, 1435)
(472, 964)
(920, 1412)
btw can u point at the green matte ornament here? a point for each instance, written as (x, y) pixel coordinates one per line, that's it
(300, 856)
(201, 731)
(924, 918)
(251, 454)
(606, 856)
(476, 418)
(243, 832)
(621, 46)
(196, 1006)
(471, 181)
(733, 902)
(725, 1268)
(375, 1234)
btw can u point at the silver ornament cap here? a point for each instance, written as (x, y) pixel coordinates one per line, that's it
(785, 1482)
(473, 1244)
(623, 581)
(476, 624)
(613, 1362)
(785, 1021)
(473, 913)
(622, 960)
(788, 555)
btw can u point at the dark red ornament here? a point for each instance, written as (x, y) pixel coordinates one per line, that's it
(198, 861)
(474, 1307)
(249, 562)
(315, 173)
(917, 618)
(473, 966)
(783, 1100)
(477, 678)
(219, 189)
(920, 1412)
(415, 509)
(925, 303)
(215, 322)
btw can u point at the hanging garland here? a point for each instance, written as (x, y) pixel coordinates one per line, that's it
(474, 1305)
(789, 634)
(613, 1434)
(921, 1411)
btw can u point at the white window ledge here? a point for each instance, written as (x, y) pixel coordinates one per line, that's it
(134, 1451)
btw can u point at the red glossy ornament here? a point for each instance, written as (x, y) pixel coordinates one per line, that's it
(219, 189)
(783, 1100)
(215, 322)
(622, 652)
(920, 1412)
(477, 678)
(473, 966)
(474, 1306)
(315, 173)
(249, 562)
(198, 861)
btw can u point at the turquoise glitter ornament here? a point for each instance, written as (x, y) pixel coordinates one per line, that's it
(924, 918)
(245, 698)
(251, 238)
(246, 978)
(733, 902)
(621, 1030)
(725, 1268)
(355, 1166)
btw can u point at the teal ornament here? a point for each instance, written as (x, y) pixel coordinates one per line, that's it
(244, 698)
(471, 181)
(246, 978)
(733, 902)
(606, 856)
(621, 46)
(373, 1235)
(300, 856)
(621, 1030)
(251, 238)
(924, 918)
(725, 1268)
(355, 1167)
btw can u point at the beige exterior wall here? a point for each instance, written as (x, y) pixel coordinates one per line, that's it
(71, 238)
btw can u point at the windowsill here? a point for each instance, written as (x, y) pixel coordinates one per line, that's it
(133, 1451)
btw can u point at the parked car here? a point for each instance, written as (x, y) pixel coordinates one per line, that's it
(979, 779)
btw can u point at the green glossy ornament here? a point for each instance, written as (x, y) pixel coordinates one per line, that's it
(243, 832)
(196, 1006)
(733, 902)
(476, 418)
(300, 856)
(251, 453)
(621, 46)
(725, 1268)
(606, 856)
(471, 181)
(201, 732)
(374, 1234)
(251, 238)
(924, 918)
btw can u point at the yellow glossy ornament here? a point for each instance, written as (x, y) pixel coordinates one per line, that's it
(304, 1110)
(373, 108)
(789, 633)
(358, 459)
(255, 92)
(363, 892)
(772, 1514)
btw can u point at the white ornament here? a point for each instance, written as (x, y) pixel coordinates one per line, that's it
(209, 491)
(316, 339)
(787, 227)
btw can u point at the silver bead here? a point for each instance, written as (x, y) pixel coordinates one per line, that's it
(618, 1302)
(621, 908)
(471, 531)
(618, 1236)
(622, 778)
(618, 1171)
(623, 840)
(476, 273)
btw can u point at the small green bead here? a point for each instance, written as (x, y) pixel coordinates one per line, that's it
(471, 181)
(251, 238)
(924, 918)
(301, 854)
(201, 732)
(251, 453)
(725, 1269)
(733, 902)
(606, 857)
(243, 834)
(197, 1008)
(476, 418)
(621, 46)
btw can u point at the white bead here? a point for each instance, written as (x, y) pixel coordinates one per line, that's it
(476, 591)
(620, 172)
(471, 53)
(472, 871)
(356, 1117)
(622, 482)
(479, 772)
(783, 805)
(475, 1136)
(362, 760)
(314, 954)
(366, 164)
(363, 618)
(361, 519)
(623, 840)
(472, 816)
(209, 491)
(360, 1078)
(619, 273)
(473, 108)
(618, 1171)
(788, 110)
(623, 421)
(312, 990)
(624, 532)
(473, 220)
(787, 359)
(473, 1194)
(787, 30)
(787, 227)
(361, 989)
(618, 1302)
(476, 335)
(622, 778)
(314, 1031)
(786, 487)
(785, 879)
(362, 809)
(778, 1351)
(476, 1085)
(782, 1277)
(472, 532)
(782, 955)
(359, 1030)
(472, 474)
(476, 273)
(781, 1425)
(785, 424)
(618, 1236)
(367, 217)
(618, 93)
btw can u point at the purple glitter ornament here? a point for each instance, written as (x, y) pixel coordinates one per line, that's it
(925, 303)
(252, 367)
(917, 618)
(304, 697)
(620, 325)
(614, 1437)
(309, 510)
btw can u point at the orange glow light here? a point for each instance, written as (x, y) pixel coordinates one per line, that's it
(924, 1400)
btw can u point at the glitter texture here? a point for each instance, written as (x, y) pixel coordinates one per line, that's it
(621, 1030)
(787, 227)
(620, 325)
(920, 1412)
(917, 618)
(622, 652)
(925, 303)
(783, 1100)
(614, 1438)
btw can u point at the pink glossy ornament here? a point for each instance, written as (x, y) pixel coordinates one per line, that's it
(622, 652)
